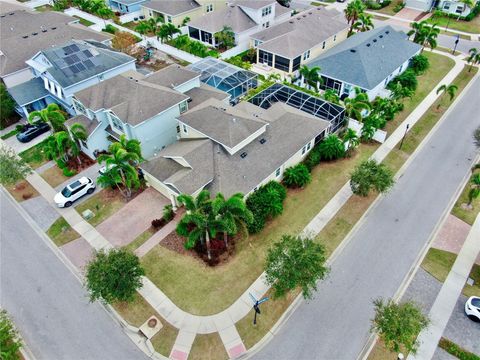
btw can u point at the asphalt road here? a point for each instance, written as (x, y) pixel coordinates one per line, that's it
(336, 323)
(48, 303)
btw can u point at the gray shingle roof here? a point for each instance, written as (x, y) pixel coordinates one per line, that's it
(89, 125)
(254, 4)
(77, 60)
(29, 91)
(366, 59)
(199, 95)
(18, 44)
(301, 32)
(288, 131)
(133, 101)
(172, 7)
(233, 17)
(171, 76)
(225, 127)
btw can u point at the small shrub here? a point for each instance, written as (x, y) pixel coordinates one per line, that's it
(27, 196)
(331, 148)
(68, 173)
(19, 127)
(407, 79)
(168, 213)
(61, 163)
(110, 29)
(158, 223)
(297, 176)
(399, 6)
(419, 64)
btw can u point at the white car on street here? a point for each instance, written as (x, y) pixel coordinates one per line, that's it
(74, 191)
(472, 308)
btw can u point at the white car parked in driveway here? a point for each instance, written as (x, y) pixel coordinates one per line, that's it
(74, 191)
(472, 308)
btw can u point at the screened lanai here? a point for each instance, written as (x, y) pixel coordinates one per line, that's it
(224, 76)
(325, 110)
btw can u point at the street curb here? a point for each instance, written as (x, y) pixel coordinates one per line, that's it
(413, 270)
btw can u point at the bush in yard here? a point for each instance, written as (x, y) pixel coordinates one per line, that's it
(265, 203)
(7, 106)
(456, 350)
(331, 148)
(419, 64)
(370, 175)
(407, 79)
(295, 262)
(297, 176)
(10, 343)
(68, 173)
(114, 276)
(158, 223)
(313, 158)
(398, 325)
(168, 213)
(399, 6)
(110, 29)
(12, 168)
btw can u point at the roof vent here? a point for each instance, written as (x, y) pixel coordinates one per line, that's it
(291, 22)
(243, 155)
(234, 120)
(263, 141)
(374, 40)
(44, 30)
(299, 18)
(310, 13)
(35, 33)
(353, 50)
(368, 45)
(25, 36)
(54, 28)
(304, 15)
(381, 36)
(387, 32)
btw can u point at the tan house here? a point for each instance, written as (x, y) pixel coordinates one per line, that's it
(175, 11)
(285, 47)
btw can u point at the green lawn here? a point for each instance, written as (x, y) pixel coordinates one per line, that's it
(140, 239)
(387, 9)
(35, 156)
(459, 209)
(137, 312)
(61, 232)
(472, 26)
(83, 21)
(103, 204)
(208, 347)
(44, 8)
(9, 134)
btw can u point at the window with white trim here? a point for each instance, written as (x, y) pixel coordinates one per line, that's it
(459, 9)
(183, 107)
(169, 19)
(306, 55)
(266, 25)
(79, 107)
(323, 45)
(277, 172)
(334, 37)
(266, 11)
(117, 123)
(185, 129)
(309, 145)
(257, 42)
(209, 8)
(446, 6)
(304, 150)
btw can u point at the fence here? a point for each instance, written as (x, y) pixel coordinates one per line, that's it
(379, 135)
(235, 51)
(133, 16)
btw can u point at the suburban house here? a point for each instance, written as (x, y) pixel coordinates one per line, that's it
(61, 71)
(176, 11)
(244, 17)
(367, 60)
(285, 47)
(232, 149)
(24, 33)
(448, 6)
(126, 6)
(140, 107)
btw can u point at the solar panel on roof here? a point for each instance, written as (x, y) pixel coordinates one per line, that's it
(67, 50)
(87, 53)
(74, 69)
(74, 48)
(75, 58)
(88, 64)
(80, 66)
(68, 60)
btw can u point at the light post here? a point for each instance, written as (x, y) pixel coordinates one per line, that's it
(456, 43)
(256, 304)
(403, 138)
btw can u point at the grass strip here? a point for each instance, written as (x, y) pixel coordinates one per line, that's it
(455, 350)
(61, 232)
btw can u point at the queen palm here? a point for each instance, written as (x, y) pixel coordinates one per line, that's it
(51, 114)
(473, 58)
(451, 90)
(129, 145)
(311, 76)
(331, 96)
(352, 12)
(364, 22)
(231, 212)
(352, 139)
(78, 133)
(424, 34)
(356, 105)
(65, 146)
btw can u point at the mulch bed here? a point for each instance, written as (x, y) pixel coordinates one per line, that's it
(86, 163)
(220, 254)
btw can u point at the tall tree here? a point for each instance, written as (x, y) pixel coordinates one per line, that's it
(352, 139)
(12, 168)
(451, 90)
(354, 107)
(166, 31)
(370, 175)
(66, 146)
(473, 58)
(424, 34)
(311, 76)
(295, 262)
(7, 105)
(398, 324)
(78, 133)
(353, 11)
(331, 96)
(364, 23)
(51, 114)
(225, 38)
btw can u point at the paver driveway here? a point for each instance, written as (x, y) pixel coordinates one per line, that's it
(134, 218)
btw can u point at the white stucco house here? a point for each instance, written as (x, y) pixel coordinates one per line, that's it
(453, 7)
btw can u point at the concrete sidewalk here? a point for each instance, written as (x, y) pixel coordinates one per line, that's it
(447, 298)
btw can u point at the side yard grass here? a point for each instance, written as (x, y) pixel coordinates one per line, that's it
(472, 26)
(208, 347)
(83, 21)
(103, 204)
(459, 209)
(9, 134)
(61, 232)
(137, 312)
(140, 239)
(35, 156)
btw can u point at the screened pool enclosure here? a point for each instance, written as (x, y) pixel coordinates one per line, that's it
(224, 76)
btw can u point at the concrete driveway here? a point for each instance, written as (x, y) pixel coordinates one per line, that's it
(134, 218)
(19, 147)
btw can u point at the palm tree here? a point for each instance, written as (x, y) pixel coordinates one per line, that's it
(364, 23)
(104, 12)
(129, 145)
(167, 31)
(451, 90)
(225, 38)
(398, 91)
(143, 27)
(78, 133)
(311, 76)
(65, 146)
(352, 138)
(231, 212)
(424, 34)
(356, 105)
(473, 58)
(51, 114)
(331, 96)
(352, 12)
(475, 188)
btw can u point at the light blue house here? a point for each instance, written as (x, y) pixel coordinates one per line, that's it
(126, 6)
(61, 71)
(140, 107)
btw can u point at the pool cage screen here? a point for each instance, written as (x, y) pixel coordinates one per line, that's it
(224, 76)
(335, 114)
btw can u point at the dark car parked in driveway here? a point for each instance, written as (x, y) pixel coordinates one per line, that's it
(31, 131)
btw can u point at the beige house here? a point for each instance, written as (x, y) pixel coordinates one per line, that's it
(175, 11)
(232, 149)
(285, 47)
